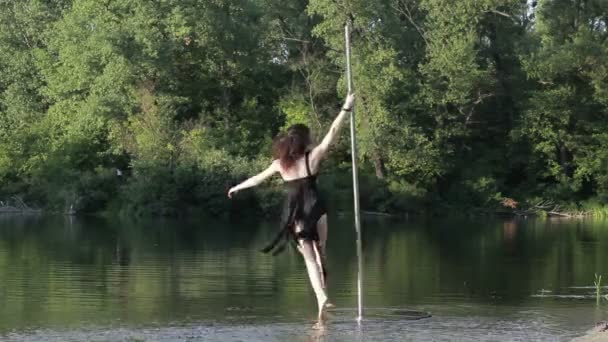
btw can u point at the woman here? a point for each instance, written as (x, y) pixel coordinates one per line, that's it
(304, 216)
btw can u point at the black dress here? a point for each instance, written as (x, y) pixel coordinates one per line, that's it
(303, 206)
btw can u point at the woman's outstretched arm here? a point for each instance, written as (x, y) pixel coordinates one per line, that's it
(320, 151)
(255, 180)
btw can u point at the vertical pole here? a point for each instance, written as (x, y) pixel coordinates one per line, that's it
(355, 180)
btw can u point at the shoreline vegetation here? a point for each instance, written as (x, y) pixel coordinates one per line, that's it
(508, 209)
(157, 108)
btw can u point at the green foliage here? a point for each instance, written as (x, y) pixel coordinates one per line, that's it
(461, 102)
(565, 117)
(296, 111)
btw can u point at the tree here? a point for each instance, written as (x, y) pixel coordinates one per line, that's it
(565, 119)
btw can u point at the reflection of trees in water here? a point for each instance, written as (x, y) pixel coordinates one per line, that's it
(496, 260)
(509, 230)
(122, 254)
(145, 269)
(133, 268)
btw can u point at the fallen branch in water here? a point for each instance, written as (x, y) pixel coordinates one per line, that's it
(546, 207)
(375, 213)
(533, 210)
(568, 214)
(16, 205)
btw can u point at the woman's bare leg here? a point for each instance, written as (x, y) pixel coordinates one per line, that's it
(315, 272)
(320, 247)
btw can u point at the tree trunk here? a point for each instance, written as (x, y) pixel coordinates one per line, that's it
(379, 165)
(564, 161)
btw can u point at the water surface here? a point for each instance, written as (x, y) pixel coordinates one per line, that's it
(67, 278)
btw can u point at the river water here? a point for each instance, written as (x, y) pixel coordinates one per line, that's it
(92, 279)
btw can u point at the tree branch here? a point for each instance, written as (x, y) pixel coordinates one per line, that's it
(506, 15)
(296, 40)
(408, 14)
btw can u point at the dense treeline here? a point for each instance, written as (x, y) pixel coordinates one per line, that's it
(461, 103)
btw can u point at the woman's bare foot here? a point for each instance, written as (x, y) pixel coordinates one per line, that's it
(320, 316)
(324, 306)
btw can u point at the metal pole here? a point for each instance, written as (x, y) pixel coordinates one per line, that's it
(355, 180)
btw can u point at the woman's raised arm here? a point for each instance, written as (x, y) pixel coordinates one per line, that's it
(255, 180)
(320, 151)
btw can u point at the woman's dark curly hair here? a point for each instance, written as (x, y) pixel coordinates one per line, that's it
(291, 146)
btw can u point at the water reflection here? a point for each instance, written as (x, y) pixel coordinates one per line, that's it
(69, 272)
(509, 229)
(317, 333)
